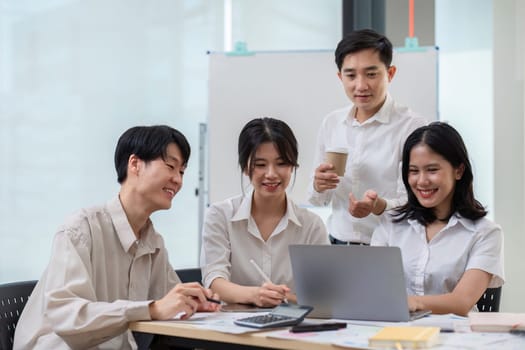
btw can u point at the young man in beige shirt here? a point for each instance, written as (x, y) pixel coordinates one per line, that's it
(108, 265)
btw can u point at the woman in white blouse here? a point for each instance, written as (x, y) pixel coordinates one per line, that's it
(451, 252)
(260, 224)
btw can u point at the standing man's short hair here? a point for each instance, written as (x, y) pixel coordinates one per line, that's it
(361, 40)
(147, 143)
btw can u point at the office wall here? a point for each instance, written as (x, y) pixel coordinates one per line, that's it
(75, 74)
(465, 45)
(509, 115)
(266, 25)
(481, 93)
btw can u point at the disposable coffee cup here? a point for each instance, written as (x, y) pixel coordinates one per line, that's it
(337, 157)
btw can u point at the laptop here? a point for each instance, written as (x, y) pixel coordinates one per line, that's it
(351, 282)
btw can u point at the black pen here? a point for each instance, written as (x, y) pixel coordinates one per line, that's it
(301, 328)
(446, 330)
(517, 331)
(211, 300)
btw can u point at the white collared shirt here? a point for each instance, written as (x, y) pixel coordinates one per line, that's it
(99, 279)
(231, 238)
(436, 267)
(374, 162)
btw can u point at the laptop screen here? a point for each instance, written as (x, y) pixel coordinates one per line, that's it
(350, 282)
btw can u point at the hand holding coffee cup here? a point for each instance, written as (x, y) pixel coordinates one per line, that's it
(325, 178)
(337, 157)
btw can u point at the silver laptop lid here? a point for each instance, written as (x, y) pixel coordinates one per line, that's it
(350, 282)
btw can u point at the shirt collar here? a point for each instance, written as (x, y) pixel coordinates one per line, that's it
(290, 210)
(245, 209)
(124, 231)
(382, 116)
(455, 219)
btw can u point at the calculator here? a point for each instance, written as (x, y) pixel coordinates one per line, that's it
(280, 316)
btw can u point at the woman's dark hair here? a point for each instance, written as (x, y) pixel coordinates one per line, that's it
(147, 143)
(362, 40)
(262, 130)
(444, 140)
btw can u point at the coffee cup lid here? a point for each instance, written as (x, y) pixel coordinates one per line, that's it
(337, 150)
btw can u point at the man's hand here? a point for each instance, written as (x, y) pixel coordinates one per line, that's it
(184, 298)
(325, 178)
(371, 203)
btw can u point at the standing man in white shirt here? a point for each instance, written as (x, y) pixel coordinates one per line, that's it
(373, 128)
(108, 265)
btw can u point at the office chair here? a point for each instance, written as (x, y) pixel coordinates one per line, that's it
(190, 275)
(489, 301)
(13, 298)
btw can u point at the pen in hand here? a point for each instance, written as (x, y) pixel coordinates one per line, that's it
(264, 276)
(215, 301)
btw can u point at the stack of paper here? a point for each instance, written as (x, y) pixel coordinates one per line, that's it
(496, 321)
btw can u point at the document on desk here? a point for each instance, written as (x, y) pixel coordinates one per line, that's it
(447, 322)
(220, 321)
(353, 336)
(447, 341)
(480, 341)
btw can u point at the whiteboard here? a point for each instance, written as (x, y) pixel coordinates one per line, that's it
(299, 87)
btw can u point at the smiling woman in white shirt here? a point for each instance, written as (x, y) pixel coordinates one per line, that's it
(451, 251)
(260, 224)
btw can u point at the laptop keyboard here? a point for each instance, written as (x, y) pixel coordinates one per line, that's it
(414, 315)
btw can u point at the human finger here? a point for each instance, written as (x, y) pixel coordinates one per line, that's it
(194, 290)
(324, 167)
(275, 293)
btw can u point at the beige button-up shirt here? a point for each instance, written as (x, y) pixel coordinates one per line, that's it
(99, 278)
(231, 238)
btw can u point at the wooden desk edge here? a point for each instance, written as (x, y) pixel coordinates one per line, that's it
(257, 338)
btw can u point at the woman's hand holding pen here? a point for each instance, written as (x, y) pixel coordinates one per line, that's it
(270, 294)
